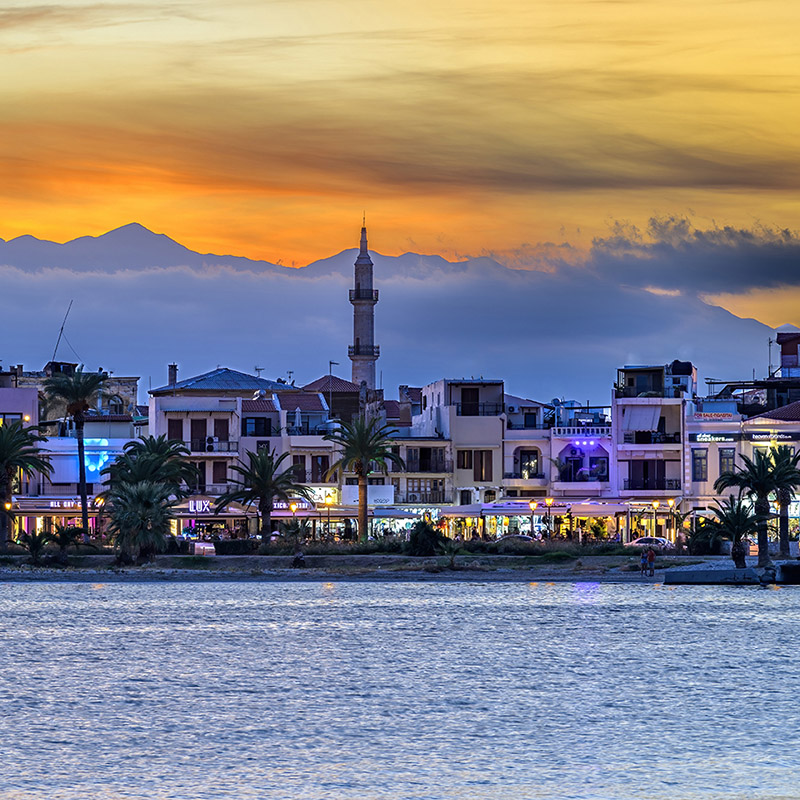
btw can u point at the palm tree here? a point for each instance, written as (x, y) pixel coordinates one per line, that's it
(364, 445)
(155, 459)
(35, 543)
(77, 391)
(140, 515)
(784, 453)
(736, 521)
(19, 453)
(261, 483)
(64, 536)
(759, 478)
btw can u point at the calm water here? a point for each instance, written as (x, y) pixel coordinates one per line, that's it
(398, 691)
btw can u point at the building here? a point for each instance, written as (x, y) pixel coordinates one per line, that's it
(363, 352)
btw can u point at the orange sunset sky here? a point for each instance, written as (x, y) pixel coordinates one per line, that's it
(264, 128)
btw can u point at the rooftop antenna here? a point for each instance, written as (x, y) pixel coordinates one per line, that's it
(258, 371)
(290, 372)
(61, 332)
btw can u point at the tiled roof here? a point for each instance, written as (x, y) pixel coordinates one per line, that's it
(392, 408)
(789, 413)
(414, 394)
(329, 383)
(305, 401)
(225, 380)
(258, 405)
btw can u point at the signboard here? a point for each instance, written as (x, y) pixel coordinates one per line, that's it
(200, 507)
(376, 495)
(714, 437)
(773, 436)
(715, 415)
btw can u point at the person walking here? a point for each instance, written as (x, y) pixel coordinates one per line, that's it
(643, 564)
(651, 561)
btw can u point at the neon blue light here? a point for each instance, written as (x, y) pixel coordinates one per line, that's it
(95, 460)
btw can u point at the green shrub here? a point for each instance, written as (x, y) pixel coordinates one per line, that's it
(236, 547)
(423, 541)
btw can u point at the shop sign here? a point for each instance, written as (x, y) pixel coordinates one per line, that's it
(770, 436)
(376, 495)
(714, 437)
(302, 505)
(712, 415)
(200, 506)
(63, 504)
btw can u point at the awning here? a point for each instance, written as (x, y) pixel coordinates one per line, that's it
(641, 418)
(473, 510)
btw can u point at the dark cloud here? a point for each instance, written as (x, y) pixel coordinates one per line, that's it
(673, 254)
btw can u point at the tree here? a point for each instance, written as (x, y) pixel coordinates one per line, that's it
(140, 514)
(784, 453)
(735, 520)
(77, 391)
(365, 445)
(35, 543)
(19, 453)
(759, 478)
(155, 459)
(260, 483)
(65, 536)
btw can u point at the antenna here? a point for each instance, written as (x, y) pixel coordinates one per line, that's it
(61, 332)
(258, 371)
(769, 367)
(290, 372)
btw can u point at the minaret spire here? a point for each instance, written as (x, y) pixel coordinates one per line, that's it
(363, 352)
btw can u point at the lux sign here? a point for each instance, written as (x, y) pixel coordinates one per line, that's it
(200, 506)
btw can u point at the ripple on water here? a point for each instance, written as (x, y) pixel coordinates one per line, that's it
(397, 691)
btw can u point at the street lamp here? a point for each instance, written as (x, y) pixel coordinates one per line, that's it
(656, 504)
(671, 504)
(328, 504)
(534, 505)
(549, 502)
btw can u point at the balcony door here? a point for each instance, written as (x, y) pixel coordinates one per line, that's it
(647, 474)
(469, 402)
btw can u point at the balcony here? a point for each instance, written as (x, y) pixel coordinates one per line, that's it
(313, 476)
(650, 437)
(652, 484)
(211, 445)
(371, 350)
(306, 429)
(364, 294)
(523, 476)
(479, 409)
(436, 465)
(582, 430)
(424, 497)
(213, 489)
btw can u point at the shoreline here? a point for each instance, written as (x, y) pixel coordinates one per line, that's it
(351, 569)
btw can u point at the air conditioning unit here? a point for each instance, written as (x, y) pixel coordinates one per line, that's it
(412, 498)
(210, 440)
(210, 447)
(512, 409)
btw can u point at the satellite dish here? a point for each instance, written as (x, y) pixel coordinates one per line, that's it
(259, 394)
(555, 402)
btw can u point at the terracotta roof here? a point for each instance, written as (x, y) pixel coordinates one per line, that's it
(414, 394)
(305, 401)
(392, 408)
(263, 404)
(329, 383)
(790, 413)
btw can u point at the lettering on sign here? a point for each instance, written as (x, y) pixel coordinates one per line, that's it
(713, 415)
(63, 504)
(779, 436)
(714, 437)
(200, 506)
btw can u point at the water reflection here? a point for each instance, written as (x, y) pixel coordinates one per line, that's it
(397, 691)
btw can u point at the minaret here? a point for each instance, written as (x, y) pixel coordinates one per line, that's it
(364, 352)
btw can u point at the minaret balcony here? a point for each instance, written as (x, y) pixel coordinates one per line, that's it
(371, 350)
(364, 294)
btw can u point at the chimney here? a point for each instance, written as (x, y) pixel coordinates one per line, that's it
(173, 374)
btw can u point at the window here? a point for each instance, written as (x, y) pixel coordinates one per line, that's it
(319, 468)
(727, 459)
(256, 426)
(299, 467)
(175, 429)
(465, 497)
(376, 481)
(482, 465)
(464, 459)
(6, 419)
(530, 419)
(529, 464)
(221, 429)
(699, 464)
(116, 405)
(598, 468)
(219, 472)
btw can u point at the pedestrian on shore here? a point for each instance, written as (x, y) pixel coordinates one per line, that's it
(651, 561)
(643, 564)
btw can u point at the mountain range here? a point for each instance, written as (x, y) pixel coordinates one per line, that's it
(142, 299)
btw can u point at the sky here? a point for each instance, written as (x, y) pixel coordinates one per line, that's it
(544, 135)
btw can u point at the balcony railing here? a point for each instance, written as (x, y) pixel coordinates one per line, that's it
(650, 437)
(437, 465)
(364, 294)
(372, 350)
(633, 391)
(211, 445)
(306, 430)
(524, 476)
(215, 489)
(657, 484)
(312, 476)
(479, 409)
(582, 430)
(424, 497)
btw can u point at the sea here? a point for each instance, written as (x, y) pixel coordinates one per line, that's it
(398, 691)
